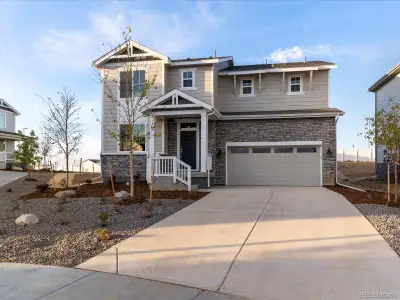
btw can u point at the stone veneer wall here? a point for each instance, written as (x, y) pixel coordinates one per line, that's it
(304, 129)
(120, 167)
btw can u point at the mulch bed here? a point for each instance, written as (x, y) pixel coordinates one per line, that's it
(102, 190)
(358, 197)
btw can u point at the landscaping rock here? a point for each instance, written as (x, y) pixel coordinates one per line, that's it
(65, 194)
(122, 195)
(27, 219)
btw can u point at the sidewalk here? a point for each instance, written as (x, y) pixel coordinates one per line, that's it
(34, 282)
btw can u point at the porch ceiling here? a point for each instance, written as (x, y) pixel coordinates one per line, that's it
(9, 136)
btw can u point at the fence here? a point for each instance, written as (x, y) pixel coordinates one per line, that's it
(356, 155)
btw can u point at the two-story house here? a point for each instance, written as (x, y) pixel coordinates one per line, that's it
(8, 136)
(387, 90)
(217, 123)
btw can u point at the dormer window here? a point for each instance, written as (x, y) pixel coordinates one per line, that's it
(295, 84)
(247, 87)
(188, 79)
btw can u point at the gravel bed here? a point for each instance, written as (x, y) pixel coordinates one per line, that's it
(65, 234)
(386, 221)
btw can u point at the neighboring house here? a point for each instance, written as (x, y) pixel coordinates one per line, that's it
(217, 123)
(386, 89)
(8, 136)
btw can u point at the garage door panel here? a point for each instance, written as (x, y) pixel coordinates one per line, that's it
(297, 169)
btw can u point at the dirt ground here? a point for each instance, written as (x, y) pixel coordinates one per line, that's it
(354, 170)
(101, 190)
(358, 197)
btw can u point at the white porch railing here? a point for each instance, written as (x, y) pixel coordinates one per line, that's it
(171, 166)
(6, 156)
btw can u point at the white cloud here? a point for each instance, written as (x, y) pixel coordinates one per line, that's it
(65, 49)
(297, 53)
(167, 32)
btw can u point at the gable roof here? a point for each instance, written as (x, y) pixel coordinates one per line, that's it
(385, 79)
(158, 102)
(4, 105)
(279, 67)
(143, 50)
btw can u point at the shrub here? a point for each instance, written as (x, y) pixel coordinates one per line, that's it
(103, 217)
(42, 187)
(146, 210)
(103, 234)
(63, 183)
(9, 190)
(64, 222)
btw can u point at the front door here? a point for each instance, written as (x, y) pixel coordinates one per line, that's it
(188, 151)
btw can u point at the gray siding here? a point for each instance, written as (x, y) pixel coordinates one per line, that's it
(203, 82)
(216, 69)
(10, 121)
(110, 145)
(272, 97)
(390, 90)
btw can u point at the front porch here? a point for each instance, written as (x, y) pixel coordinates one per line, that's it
(7, 147)
(179, 146)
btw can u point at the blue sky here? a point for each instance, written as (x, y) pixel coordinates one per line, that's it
(45, 45)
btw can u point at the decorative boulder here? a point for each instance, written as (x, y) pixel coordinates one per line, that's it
(65, 194)
(27, 219)
(122, 195)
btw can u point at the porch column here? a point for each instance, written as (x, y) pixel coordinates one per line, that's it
(150, 151)
(204, 142)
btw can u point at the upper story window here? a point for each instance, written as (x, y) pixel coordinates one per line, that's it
(246, 87)
(2, 120)
(295, 84)
(188, 79)
(131, 81)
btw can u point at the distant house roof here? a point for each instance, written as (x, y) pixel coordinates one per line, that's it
(385, 79)
(317, 64)
(4, 105)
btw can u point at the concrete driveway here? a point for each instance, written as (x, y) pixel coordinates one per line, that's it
(10, 176)
(263, 243)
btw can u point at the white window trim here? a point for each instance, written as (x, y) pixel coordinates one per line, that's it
(301, 92)
(252, 87)
(5, 120)
(125, 69)
(191, 88)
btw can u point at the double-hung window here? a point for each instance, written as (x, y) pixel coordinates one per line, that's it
(246, 87)
(131, 82)
(295, 84)
(188, 78)
(132, 137)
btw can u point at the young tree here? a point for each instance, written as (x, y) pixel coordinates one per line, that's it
(62, 125)
(45, 148)
(127, 96)
(27, 151)
(384, 128)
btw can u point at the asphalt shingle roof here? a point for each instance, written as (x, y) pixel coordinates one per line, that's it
(315, 63)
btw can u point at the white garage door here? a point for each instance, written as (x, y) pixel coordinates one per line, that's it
(274, 165)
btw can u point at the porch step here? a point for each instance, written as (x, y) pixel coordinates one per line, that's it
(167, 184)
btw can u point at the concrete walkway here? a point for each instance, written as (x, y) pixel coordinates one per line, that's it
(33, 282)
(10, 176)
(263, 243)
